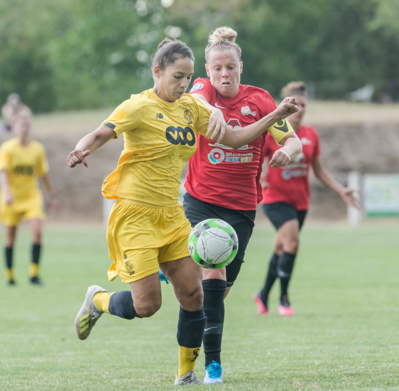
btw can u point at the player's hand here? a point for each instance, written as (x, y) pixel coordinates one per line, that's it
(217, 124)
(280, 158)
(77, 157)
(287, 107)
(350, 198)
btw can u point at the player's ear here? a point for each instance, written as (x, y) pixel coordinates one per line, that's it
(241, 67)
(157, 71)
(207, 70)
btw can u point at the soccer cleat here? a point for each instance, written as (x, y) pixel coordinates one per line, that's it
(262, 309)
(188, 379)
(88, 313)
(36, 281)
(162, 277)
(284, 308)
(213, 373)
(11, 282)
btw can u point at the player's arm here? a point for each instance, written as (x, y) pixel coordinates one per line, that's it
(347, 195)
(49, 189)
(88, 144)
(238, 137)
(217, 123)
(291, 148)
(5, 185)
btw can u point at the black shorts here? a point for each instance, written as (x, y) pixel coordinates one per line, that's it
(242, 221)
(281, 212)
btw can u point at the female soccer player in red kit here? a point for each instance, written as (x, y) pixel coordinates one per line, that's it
(286, 201)
(223, 182)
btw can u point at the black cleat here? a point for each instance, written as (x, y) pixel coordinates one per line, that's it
(11, 282)
(36, 281)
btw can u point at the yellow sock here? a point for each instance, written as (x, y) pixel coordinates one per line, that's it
(34, 268)
(9, 274)
(187, 357)
(101, 300)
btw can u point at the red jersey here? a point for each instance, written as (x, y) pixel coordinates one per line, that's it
(291, 183)
(218, 174)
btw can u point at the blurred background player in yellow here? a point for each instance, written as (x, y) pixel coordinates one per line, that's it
(22, 161)
(11, 109)
(147, 227)
(286, 198)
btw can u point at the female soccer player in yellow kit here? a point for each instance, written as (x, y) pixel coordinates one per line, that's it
(147, 227)
(22, 160)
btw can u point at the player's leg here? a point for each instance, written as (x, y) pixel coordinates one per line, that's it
(10, 219)
(289, 237)
(137, 265)
(279, 213)
(36, 227)
(8, 252)
(185, 277)
(288, 234)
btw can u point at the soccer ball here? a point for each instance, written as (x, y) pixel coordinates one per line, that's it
(213, 243)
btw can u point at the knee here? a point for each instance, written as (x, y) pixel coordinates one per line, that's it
(291, 245)
(191, 299)
(147, 309)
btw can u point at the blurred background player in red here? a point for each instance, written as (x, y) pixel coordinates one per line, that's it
(22, 161)
(223, 182)
(286, 198)
(11, 109)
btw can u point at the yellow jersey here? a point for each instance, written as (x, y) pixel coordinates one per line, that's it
(159, 138)
(23, 165)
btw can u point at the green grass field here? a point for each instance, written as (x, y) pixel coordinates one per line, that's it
(344, 335)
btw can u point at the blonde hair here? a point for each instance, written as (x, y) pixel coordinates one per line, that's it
(294, 88)
(223, 38)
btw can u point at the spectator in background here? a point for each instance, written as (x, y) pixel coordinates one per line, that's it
(11, 109)
(22, 160)
(286, 201)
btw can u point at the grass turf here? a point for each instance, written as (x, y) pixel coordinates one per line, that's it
(343, 336)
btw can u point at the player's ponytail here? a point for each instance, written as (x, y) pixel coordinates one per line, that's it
(221, 39)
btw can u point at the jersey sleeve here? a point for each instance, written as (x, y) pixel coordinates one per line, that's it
(202, 120)
(124, 118)
(280, 129)
(42, 166)
(204, 87)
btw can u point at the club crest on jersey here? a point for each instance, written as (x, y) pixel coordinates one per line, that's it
(128, 265)
(197, 86)
(188, 116)
(247, 111)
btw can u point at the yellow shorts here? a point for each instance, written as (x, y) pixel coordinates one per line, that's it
(29, 209)
(140, 238)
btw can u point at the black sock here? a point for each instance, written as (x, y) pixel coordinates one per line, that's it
(8, 253)
(190, 328)
(121, 304)
(36, 253)
(214, 291)
(270, 278)
(284, 270)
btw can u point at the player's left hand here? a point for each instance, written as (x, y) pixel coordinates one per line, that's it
(287, 107)
(280, 158)
(55, 206)
(217, 124)
(350, 198)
